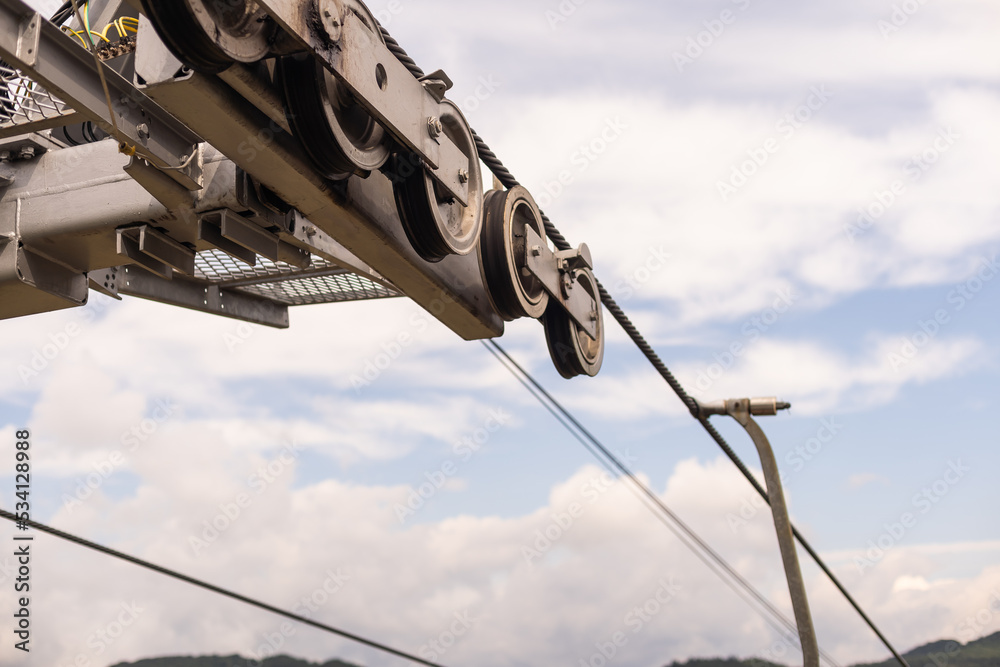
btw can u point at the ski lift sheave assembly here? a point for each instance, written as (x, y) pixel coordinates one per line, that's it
(240, 157)
(280, 154)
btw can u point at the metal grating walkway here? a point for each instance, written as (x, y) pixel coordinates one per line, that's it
(25, 106)
(321, 282)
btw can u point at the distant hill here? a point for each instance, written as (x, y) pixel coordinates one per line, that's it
(231, 661)
(725, 662)
(983, 652)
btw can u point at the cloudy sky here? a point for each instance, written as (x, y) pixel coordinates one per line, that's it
(792, 199)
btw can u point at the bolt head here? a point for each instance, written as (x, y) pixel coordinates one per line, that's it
(434, 127)
(331, 21)
(463, 176)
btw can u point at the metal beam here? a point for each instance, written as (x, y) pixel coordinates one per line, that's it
(64, 68)
(203, 297)
(363, 219)
(253, 84)
(37, 123)
(296, 230)
(31, 283)
(70, 201)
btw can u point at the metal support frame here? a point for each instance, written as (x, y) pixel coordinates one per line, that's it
(77, 209)
(68, 203)
(203, 297)
(66, 212)
(742, 409)
(33, 44)
(31, 283)
(252, 83)
(354, 53)
(553, 270)
(361, 215)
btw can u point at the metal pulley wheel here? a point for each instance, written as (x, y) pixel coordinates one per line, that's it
(516, 292)
(437, 224)
(336, 132)
(210, 35)
(574, 352)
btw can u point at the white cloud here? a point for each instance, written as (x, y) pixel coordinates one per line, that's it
(788, 227)
(861, 479)
(653, 191)
(818, 380)
(908, 583)
(603, 556)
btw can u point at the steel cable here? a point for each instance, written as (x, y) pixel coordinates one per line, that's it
(687, 535)
(506, 178)
(211, 587)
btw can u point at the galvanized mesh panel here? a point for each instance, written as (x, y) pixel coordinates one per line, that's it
(23, 102)
(321, 282)
(217, 266)
(320, 289)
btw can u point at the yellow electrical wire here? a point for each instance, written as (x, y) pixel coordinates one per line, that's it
(76, 34)
(99, 35)
(123, 25)
(123, 146)
(104, 33)
(129, 25)
(79, 35)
